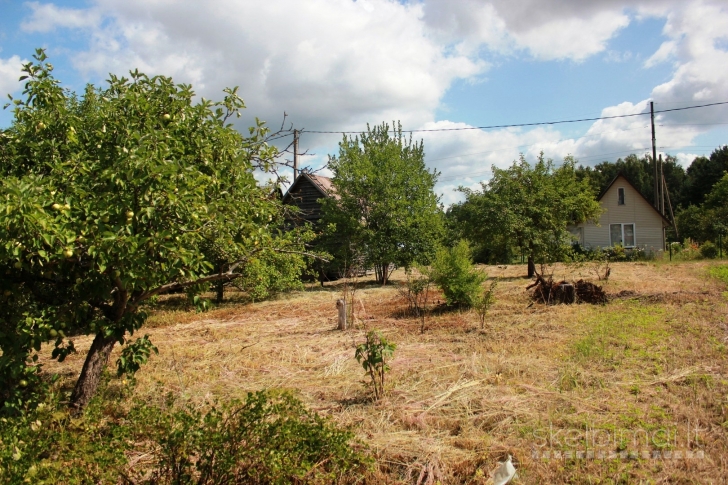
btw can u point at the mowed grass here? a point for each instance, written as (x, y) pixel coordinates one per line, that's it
(643, 374)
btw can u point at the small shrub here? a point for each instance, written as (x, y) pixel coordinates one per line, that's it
(416, 290)
(485, 301)
(269, 438)
(709, 250)
(687, 251)
(372, 355)
(43, 446)
(616, 253)
(454, 273)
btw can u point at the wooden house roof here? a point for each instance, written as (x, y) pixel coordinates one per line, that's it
(321, 183)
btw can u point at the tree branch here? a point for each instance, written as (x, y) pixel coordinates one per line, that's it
(228, 275)
(186, 284)
(302, 253)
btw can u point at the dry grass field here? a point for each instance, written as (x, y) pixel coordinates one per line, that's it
(634, 391)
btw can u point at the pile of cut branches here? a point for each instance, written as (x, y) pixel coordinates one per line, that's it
(548, 291)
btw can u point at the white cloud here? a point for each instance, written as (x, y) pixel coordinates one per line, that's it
(686, 159)
(696, 34)
(9, 74)
(326, 63)
(665, 52)
(547, 29)
(336, 64)
(47, 17)
(572, 38)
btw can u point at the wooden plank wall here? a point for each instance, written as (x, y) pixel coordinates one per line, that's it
(305, 196)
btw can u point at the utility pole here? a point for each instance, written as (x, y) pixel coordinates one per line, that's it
(295, 154)
(663, 187)
(654, 156)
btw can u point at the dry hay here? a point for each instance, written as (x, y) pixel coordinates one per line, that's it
(459, 400)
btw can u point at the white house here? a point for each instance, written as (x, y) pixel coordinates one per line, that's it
(628, 219)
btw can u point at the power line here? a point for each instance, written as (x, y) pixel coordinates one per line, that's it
(519, 125)
(692, 124)
(545, 142)
(579, 159)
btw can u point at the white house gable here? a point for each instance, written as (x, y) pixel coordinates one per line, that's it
(627, 219)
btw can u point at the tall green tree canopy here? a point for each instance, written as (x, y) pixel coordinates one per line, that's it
(106, 200)
(709, 220)
(703, 174)
(385, 210)
(639, 171)
(528, 208)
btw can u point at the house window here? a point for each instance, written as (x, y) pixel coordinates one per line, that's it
(620, 196)
(622, 234)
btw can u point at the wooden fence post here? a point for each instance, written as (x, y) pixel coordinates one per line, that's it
(341, 306)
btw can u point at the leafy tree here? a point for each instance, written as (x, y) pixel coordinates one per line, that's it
(386, 211)
(463, 222)
(709, 220)
(703, 174)
(271, 273)
(529, 208)
(107, 200)
(639, 171)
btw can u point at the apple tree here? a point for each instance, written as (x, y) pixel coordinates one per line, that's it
(527, 208)
(386, 207)
(106, 200)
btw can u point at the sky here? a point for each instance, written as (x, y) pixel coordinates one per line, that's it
(336, 65)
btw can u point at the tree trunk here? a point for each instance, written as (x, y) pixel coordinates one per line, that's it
(531, 266)
(220, 288)
(382, 272)
(88, 381)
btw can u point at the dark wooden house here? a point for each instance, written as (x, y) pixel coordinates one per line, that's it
(305, 193)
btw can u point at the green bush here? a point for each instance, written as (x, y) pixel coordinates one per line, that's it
(687, 251)
(271, 273)
(45, 446)
(454, 273)
(709, 250)
(270, 438)
(616, 253)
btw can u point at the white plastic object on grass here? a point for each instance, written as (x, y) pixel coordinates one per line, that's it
(505, 472)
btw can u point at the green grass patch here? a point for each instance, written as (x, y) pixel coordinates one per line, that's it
(720, 272)
(620, 334)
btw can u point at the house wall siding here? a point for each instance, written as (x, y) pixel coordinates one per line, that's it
(647, 221)
(305, 196)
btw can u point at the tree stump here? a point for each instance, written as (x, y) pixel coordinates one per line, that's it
(341, 306)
